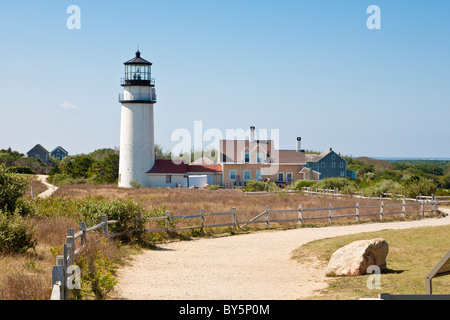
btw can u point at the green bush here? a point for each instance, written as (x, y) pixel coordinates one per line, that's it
(416, 185)
(15, 236)
(12, 188)
(127, 212)
(383, 186)
(255, 185)
(299, 184)
(334, 183)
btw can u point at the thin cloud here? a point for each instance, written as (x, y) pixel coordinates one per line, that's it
(68, 106)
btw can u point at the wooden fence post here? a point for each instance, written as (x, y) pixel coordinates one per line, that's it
(70, 240)
(381, 210)
(432, 204)
(168, 223)
(105, 226)
(330, 213)
(404, 207)
(423, 209)
(233, 218)
(64, 268)
(300, 214)
(267, 217)
(83, 234)
(202, 217)
(357, 212)
(58, 276)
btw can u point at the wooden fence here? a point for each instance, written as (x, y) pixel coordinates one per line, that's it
(357, 194)
(62, 271)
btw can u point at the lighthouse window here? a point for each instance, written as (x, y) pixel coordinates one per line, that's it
(137, 72)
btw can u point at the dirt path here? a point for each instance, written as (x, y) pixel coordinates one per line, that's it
(255, 266)
(51, 188)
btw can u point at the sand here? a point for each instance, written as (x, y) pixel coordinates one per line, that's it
(255, 266)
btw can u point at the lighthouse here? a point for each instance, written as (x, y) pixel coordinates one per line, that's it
(137, 146)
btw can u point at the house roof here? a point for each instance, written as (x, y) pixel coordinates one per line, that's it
(205, 168)
(317, 157)
(138, 60)
(39, 147)
(288, 156)
(168, 167)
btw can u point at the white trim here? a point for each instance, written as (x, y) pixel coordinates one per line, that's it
(263, 157)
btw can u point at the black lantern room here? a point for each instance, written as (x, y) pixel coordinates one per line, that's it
(138, 72)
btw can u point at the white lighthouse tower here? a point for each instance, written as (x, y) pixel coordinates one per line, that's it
(137, 146)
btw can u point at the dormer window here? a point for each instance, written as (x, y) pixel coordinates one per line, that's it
(247, 157)
(259, 157)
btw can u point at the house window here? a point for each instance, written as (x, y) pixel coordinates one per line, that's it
(247, 158)
(259, 157)
(247, 175)
(289, 177)
(232, 174)
(168, 179)
(37, 156)
(333, 164)
(342, 174)
(258, 175)
(333, 157)
(341, 164)
(322, 164)
(280, 177)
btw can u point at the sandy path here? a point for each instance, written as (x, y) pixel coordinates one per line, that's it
(51, 188)
(254, 266)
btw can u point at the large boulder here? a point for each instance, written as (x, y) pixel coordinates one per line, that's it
(354, 258)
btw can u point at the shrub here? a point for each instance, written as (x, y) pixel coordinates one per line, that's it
(334, 183)
(255, 185)
(127, 212)
(14, 234)
(12, 188)
(299, 184)
(416, 185)
(383, 186)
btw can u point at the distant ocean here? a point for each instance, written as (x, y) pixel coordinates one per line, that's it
(407, 158)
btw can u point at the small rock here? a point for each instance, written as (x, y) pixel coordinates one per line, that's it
(354, 258)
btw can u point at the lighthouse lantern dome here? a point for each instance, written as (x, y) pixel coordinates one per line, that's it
(138, 72)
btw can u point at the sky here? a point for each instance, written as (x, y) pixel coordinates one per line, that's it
(309, 69)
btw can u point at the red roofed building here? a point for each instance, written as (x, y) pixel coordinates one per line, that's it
(173, 173)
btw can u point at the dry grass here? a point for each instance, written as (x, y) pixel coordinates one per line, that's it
(182, 202)
(38, 187)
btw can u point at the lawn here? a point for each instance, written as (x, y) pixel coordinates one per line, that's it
(412, 255)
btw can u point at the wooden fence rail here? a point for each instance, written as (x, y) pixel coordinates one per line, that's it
(62, 272)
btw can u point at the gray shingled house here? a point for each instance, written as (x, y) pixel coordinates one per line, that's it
(329, 164)
(39, 152)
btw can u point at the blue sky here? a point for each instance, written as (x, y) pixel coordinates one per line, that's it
(308, 68)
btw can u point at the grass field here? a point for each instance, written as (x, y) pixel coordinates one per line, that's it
(412, 255)
(182, 202)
